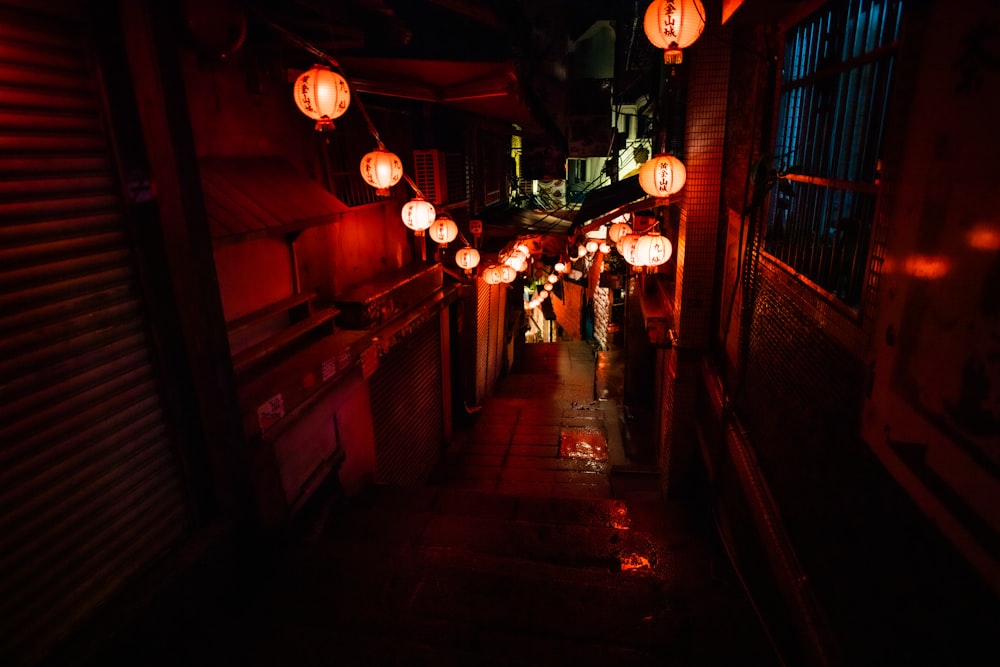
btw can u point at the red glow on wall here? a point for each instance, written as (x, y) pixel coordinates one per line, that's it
(984, 237)
(926, 267)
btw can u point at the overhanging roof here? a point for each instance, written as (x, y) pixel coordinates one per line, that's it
(249, 196)
(488, 89)
(603, 204)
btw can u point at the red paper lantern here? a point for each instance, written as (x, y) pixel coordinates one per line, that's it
(381, 170)
(662, 176)
(323, 95)
(673, 25)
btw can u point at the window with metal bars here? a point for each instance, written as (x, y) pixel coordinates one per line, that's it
(837, 71)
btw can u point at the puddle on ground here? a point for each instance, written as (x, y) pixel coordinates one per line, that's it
(583, 443)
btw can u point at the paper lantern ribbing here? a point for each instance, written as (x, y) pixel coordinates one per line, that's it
(323, 95)
(418, 214)
(491, 275)
(652, 250)
(467, 258)
(381, 169)
(443, 230)
(618, 230)
(626, 247)
(673, 25)
(662, 176)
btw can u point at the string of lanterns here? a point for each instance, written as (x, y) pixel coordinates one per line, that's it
(324, 95)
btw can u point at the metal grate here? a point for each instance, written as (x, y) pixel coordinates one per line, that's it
(407, 408)
(837, 73)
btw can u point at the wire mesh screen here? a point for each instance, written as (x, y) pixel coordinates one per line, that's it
(837, 72)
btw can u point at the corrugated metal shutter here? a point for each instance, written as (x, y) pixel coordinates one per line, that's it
(407, 408)
(498, 311)
(490, 317)
(90, 488)
(483, 340)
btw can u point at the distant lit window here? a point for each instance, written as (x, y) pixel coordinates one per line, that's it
(837, 70)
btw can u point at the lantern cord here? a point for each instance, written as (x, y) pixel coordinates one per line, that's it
(326, 57)
(413, 185)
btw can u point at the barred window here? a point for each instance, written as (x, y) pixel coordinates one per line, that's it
(837, 71)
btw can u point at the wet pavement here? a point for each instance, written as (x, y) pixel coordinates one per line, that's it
(521, 551)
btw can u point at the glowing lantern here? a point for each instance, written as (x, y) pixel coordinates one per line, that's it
(626, 247)
(553, 278)
(581, 250)
(523, 248)
(507, 273)
(418, 214)
(548, 287)
(443, 230)
(381, 170)
(652, 250)
(516, 260)
(592, 246)
(662, 176)
(604, 248)
(323, 95)
(673, 25)
(559, 267)
(491, 275)
(467, 258)
(618, 230)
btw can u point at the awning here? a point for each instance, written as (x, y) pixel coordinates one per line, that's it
(251, 196)
(487, 89)
(603, 204)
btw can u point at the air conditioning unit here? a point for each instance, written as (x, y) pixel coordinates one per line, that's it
(428, 166)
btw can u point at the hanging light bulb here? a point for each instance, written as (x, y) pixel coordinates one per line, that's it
(673, 25)
(443, 230)
(418, 214)
(467, 258)
(662, 176)
(323, 95)
(381, 169)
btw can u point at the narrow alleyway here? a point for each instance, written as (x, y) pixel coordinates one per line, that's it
(517, 553)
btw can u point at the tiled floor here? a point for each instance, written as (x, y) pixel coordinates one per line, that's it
(513, 555)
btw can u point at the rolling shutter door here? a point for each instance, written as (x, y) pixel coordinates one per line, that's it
(90, 487)
(498, 306)
(482, 340)
(490, 315)
(407, 408)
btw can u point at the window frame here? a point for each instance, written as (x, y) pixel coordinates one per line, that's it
(867, 68)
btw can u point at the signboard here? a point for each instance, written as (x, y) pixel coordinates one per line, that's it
(270, 411)
(369, 361)
(476, 227)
